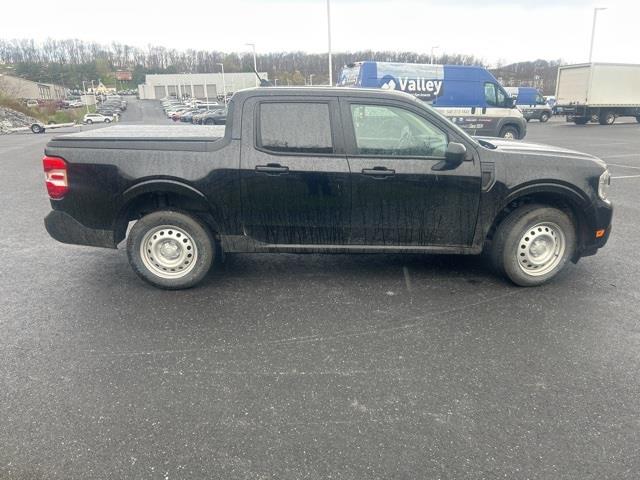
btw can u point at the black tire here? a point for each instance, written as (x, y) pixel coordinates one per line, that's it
(544, 117)
(580, 121)
(89, 121)
(106, 120)
(513, 248)
(197, 251)
(607, 118)
(36, 128)
(510, 132)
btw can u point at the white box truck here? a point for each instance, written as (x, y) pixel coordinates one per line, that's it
(599, 92)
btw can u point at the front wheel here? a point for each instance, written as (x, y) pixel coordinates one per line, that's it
(533, 243)
(510, 133)
(89, 122)
(170, 249)
(544, 117)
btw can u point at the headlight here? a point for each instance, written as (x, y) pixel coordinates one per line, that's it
(603, 185)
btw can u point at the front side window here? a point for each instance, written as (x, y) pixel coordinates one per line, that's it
(394, 131)
(490, 94)
(295, 127)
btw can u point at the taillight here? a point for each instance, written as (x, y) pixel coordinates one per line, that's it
(55, 170)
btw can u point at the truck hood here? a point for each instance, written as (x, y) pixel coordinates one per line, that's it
(536, 149)
(148, 132)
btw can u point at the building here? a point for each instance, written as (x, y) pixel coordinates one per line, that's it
(17, 87)
(195, 85)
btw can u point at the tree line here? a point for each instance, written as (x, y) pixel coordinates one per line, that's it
(70, 61)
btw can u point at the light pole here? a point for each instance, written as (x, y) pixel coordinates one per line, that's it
(311, 79)
(224, 87)
(255, 63)
(432, 50)
(593, 29)
(86, 99)
(329, 42)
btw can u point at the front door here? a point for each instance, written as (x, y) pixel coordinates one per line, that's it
(397, 198)
(294, 173)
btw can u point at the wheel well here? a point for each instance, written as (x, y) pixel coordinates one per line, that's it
(549, 199)
(149, 202)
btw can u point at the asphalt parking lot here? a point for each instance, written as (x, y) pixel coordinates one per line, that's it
(315, 367)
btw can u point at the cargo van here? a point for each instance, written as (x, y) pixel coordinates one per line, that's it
(469, 96)
(531, 103)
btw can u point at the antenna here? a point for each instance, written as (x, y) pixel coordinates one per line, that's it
(263, 82)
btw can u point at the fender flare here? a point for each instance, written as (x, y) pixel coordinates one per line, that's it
(579, 199)
(158, 185)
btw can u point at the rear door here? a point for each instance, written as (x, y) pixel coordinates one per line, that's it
(397, 197)
(294, 172)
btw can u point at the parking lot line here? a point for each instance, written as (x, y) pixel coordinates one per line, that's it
(622, 155)
(625, 176)
(623, 166)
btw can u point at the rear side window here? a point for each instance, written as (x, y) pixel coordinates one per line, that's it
(295, 127)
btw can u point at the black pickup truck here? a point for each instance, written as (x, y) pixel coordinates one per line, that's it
(324, 170)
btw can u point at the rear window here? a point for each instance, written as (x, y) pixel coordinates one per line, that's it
(295, 127)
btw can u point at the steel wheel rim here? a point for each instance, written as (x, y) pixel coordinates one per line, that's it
(509, 136)
(168, 251)
(541, 249)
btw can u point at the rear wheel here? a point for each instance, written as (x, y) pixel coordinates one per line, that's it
(106, 120)
(533, 243)
(544, 117)
(509, 132)
(170, 249)
(607, 118)
(89, 121)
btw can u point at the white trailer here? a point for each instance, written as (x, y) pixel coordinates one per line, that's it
(599, 92)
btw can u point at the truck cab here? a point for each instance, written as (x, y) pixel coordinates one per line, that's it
(470, 96)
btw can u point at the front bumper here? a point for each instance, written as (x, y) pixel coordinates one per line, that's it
(66, 229)
(602, 215)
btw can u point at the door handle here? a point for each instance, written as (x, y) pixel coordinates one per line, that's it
(272, 169)
(378, 172)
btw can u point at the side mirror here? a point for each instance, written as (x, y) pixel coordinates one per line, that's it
(454, 155)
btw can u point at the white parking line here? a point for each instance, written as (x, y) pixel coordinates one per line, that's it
(625, 176)
(623, 166)
(622, 155)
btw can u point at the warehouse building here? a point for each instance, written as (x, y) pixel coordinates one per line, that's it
(195, 85)
(17, 87)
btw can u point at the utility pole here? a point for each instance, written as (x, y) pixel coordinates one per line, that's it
(593, 29)
(224, 87)
(255, 63)
(311, 79)
(86, 102)
(432, 50)
(329, 42)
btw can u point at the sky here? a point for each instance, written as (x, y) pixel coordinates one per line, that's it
(502, 31)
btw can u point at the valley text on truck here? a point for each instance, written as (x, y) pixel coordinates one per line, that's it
(469, 96)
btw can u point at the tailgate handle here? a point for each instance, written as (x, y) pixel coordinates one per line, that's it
(272, 169)
(378, 172)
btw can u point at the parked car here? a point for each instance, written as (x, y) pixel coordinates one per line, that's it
(32, 103)
(217, 117)
(97, 118)
(325, 170)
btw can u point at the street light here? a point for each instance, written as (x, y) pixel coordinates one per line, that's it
(432, 50)
(224, 87)
(86, 99)
(329, 42)
(311, 79)
(255, 64)
(593, 29)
